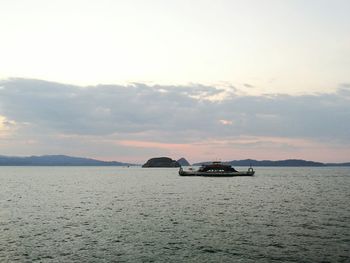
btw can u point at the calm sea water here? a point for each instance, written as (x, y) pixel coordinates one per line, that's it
(110, 214)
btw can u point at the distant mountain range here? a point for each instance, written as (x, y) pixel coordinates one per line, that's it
(281, 163)
(64, 160)
(55, 160)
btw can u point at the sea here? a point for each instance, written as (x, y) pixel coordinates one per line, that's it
(121, 214)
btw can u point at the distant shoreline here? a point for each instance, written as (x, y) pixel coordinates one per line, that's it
(281, 163)
(66, 161)
(56, 160)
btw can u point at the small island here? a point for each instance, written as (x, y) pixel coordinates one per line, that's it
(162, 162)
(183, 162)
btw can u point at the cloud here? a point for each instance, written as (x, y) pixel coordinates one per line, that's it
(168, 114)
(344, 90)
(226, 122)
(248, 85)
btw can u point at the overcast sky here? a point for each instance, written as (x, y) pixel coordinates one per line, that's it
(133, 122)
(128, 80)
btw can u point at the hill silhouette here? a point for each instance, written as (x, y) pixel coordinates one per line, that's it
(280, 163)
(55, 160)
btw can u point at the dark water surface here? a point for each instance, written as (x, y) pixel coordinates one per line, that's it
(109, 214)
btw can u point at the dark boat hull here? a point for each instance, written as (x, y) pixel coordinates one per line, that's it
(216, 174)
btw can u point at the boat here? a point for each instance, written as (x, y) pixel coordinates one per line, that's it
(216, 169)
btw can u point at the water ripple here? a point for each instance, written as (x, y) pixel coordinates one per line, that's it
(136, 215)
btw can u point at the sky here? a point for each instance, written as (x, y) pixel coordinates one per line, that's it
(130, 80)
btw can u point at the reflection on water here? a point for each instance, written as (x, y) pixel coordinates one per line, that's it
(93, 214)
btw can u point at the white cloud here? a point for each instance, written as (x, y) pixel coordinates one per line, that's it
(226, 122)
